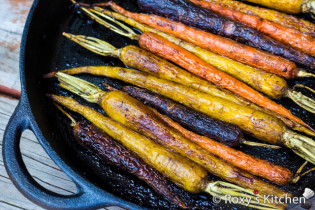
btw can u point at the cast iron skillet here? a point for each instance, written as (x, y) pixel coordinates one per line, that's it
(43, 50)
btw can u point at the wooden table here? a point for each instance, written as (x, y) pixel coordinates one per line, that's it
(13, 14)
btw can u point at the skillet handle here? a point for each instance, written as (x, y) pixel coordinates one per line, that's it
(88, 196)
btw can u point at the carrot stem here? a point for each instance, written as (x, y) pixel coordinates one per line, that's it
(256, 144)
(80, 87)
(73, 122)
(95, 45)
(302, 73)
(301, 145)
(302, 100)
(299, 175)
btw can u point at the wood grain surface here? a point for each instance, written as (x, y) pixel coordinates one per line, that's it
(13, 14)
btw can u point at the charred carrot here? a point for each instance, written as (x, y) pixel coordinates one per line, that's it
(225, 133)
(258, 124)
(289, 6)
(281, 33)
(219, 45)
(135, 115)
(175, 167)
(107, 149)
(272, 15)
(192, 15)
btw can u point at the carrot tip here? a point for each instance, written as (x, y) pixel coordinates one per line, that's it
(108, 87)
(49, 75)
(49, 95)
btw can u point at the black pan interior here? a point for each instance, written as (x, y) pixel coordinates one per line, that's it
(46, 51)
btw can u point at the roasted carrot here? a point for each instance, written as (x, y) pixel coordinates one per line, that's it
(135, 115)
(272, 15)
(281, 33)
(220, 45)
(252, 76)
(192, 15)
(113, 153)
(289, 6)
(178, 169)
(227, 134)
(258, 124)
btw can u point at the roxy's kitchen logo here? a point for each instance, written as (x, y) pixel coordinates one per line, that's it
(266, 199)
(308, 193)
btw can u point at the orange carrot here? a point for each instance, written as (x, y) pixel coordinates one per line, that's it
(217, 44)
(281, 33)
(170, 51)
(237, 158)
(269, 14)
